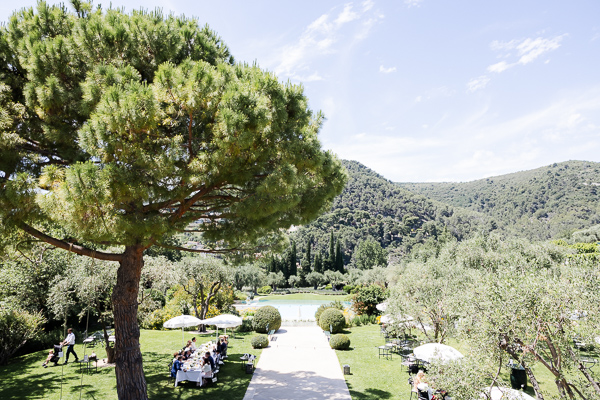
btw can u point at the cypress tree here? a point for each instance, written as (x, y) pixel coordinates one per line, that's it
(318, 265)
(339, 259)
(293, 259)
(331, 263)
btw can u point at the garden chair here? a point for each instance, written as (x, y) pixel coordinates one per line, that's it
(411, 383)
(271, 333)
(328, 334)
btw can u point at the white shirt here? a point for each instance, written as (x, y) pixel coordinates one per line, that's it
(70, 339)
(193, 346)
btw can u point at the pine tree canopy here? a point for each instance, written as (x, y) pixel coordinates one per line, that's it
(121, 129)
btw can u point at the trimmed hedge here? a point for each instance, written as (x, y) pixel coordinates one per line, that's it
(264, 290)
(266, 316)
(339, 342)
(334, 318)
(259, 342)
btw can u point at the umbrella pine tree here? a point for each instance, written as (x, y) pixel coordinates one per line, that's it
(118, 131)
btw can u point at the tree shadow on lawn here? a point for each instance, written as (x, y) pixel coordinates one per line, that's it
(25, 378)
(232, 380)
(368, 394)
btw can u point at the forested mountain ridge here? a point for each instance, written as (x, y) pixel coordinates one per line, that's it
(539, 204)
(371, 206)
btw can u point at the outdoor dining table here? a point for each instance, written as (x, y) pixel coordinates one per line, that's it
(191, 376)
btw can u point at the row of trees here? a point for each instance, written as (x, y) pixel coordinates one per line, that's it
(505, 299)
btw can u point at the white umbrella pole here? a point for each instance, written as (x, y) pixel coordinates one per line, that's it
(182, 338)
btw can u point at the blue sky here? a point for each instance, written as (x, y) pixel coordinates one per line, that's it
(427, 90)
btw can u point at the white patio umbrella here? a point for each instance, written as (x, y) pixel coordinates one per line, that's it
(506, 394)
(223, 321)
(381, 306)
(390, 319)
(182, 321)
(433, 351)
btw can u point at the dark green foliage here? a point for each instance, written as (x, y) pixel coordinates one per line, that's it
(544, 203)
(318, 267)
(293, 269)
(338, 305)
(246, 326)
(16, 327)
(259, 341)
(367, 298)
(372, 207)
(265, 289)
(266, 318)
(363, 319)
(369, 254)
(339, 342)
(333, 319)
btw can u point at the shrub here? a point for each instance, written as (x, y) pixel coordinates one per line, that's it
(334, 318)
(348, 288)
(367, 298)
(267, 316)
(364, 320)
(259, 342)
(339, 342)
(264, 290)
(246, 325)
(239, 295)
(334, 304)
(17, 326)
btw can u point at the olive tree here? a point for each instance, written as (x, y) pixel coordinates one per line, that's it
(118, 131)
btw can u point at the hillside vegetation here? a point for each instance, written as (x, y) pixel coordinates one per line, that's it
(371, 206)
(540, 204)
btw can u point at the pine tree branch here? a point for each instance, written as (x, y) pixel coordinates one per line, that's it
(74, 248)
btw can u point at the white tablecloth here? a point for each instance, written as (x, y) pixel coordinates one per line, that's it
(192, 376)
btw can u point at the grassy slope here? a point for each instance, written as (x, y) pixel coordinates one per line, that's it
(24, 378)
(374, 378)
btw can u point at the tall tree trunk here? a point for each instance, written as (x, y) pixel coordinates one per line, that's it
(534, 382)
(131, 383)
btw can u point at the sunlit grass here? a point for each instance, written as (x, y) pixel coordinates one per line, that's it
(24, 377)
(378, 378)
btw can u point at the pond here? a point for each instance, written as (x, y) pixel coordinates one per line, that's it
(293, 310)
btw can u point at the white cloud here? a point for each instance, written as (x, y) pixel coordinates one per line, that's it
(499, 67)
(478, 83)
(367, 5)
(530, 49)
(527, 49)
(347, 15)
(384, 70)
(413, 3)
(322, 37)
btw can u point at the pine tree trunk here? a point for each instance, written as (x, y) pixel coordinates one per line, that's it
(131, 383)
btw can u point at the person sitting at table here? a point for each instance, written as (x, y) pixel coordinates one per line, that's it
(207, 372)
(420, 378)
(187, 355)
(177, 365)
(193, 344)
(218, 358)
(175, 355)
(208, 359)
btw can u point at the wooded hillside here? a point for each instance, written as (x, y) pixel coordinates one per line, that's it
(544, 203)
(371, 206)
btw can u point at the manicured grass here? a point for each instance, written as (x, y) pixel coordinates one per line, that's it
(24, 377)
(308, 296)
(375, 378)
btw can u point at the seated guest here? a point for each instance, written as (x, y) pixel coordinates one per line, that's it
(193, 344)
(175, 355)
(206, 372)
(208, 359)
(218, 358)
(187, 355)
(177, 365)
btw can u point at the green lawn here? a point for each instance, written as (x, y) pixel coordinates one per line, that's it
(375, 378)
(307, 296)
(24, 377)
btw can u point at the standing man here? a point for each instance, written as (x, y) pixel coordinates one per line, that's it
(70, 342)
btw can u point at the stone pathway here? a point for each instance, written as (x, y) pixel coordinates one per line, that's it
(298, 364)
